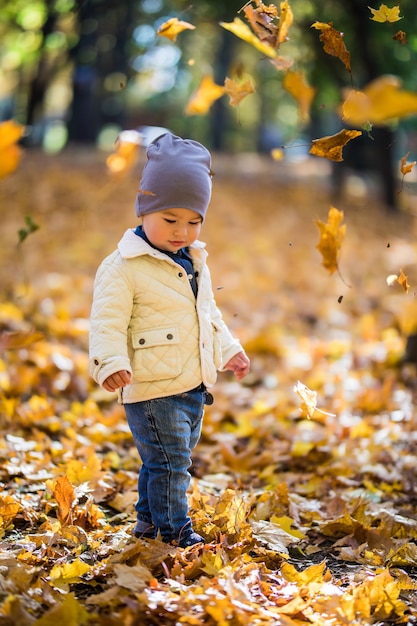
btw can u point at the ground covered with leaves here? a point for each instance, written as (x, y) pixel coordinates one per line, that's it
(307, 521)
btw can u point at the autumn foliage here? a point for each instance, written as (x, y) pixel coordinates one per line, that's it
(304, 478)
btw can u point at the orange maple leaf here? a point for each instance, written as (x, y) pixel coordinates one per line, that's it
(331, 238)
(207, 93)
(406, 168)
(64, 494)
(127, 149)
(330, 147)
(173, 27)
(10, 153)
(385, 14)
(237, 92)
(403, 281)
(333, 43)
(297, 86)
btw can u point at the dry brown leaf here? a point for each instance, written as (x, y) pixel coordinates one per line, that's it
(237, 92)
(331, 147)
(333, 42)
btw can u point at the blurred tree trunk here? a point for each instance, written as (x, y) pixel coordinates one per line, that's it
(42, 78)
(105, 29)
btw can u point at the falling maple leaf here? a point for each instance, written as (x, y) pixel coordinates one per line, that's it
(333, 43)
(380, 102)
(400, 278)
(403, 280)
(308, 399)
(400, 36)
(207, 93)
(308, 408)
(296, 85)
(242, 30)
(270, 25)
(237, 92)
(173, 27)
(406, 168)
(10, 153)
(332, 234)
(385, 14)
(331, 147)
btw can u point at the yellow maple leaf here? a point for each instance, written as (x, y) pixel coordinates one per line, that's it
(9, 508)
(242, 30)
(313, 573)
(237, 92)
(69, 572)
(331, 238)
(10, 153)
(173, 27)
(331, 147)
(333, 43)
(285, 21)
(78, 472)
(380, 102)
(298, 88)
(286, 523)
(207, 93)
(385, 14)
(69, 612)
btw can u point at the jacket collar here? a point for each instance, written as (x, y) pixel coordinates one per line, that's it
(131, 246)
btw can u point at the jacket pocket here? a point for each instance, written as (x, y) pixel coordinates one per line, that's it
(156, 353)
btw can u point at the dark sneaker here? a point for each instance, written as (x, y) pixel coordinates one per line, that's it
(142, 530)
(190, 540)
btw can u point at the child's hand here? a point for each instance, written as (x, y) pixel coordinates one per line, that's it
(239, 365)
(119, 379)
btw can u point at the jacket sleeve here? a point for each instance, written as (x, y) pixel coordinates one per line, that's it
(109, 321)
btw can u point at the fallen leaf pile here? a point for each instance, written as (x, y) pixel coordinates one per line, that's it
(304, 478)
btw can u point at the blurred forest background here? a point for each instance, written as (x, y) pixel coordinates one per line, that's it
(83, 70)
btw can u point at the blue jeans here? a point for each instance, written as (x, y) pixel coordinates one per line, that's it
(165, 430)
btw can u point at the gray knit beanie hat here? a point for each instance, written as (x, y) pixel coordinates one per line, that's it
(177, 174)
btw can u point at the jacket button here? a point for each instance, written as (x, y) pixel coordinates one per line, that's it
(170, 336)
(141, 341)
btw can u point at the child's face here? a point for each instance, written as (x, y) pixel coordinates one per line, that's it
(172, 229)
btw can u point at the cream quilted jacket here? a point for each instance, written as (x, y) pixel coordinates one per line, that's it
(146, 320)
